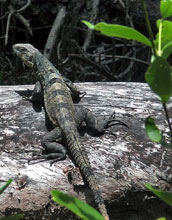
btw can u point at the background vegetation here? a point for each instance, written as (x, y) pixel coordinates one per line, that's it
(79, 54)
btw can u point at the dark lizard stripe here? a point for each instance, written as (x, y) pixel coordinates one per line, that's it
(52, 81)
(58, 96)
(66, 118)
(58, 92)
(64, 107)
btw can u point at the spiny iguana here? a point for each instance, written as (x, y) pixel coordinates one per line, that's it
(61, 112)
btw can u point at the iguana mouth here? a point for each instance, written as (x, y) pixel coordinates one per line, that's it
(27, 62)
(24, 55)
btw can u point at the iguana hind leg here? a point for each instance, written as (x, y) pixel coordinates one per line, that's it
(94, 126)
(52, 143)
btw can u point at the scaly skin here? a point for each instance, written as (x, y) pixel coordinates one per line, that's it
(60, 110)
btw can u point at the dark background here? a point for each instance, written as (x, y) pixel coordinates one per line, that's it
(105, 59)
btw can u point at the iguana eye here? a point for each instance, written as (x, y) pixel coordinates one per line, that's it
(23, 50)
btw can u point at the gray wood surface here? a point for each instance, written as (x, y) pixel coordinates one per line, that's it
(122, 164)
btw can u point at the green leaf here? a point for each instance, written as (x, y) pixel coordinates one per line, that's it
(88, 24)
(152, 130)
(162, 218)
(165, 196)
(115, 30)
(13, 217)
(166, 35)
(5, 186)
(159, 78)
(166, 50)
(166, 8)
(78, 207)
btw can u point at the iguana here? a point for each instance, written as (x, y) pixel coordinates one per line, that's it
(61, 112)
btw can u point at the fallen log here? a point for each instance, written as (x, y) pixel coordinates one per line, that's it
(122, 163)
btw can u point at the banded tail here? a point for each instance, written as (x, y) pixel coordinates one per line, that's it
(84, 165)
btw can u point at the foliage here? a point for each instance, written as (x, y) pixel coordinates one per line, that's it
(152, 130)
(158, 76)
(12, 217)
(78, 207)
(165, 196)
(166, 8)
(159, 67)
(5, 186)
(114, 30)
(159, 73)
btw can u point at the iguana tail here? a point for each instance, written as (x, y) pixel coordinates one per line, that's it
(83, 163)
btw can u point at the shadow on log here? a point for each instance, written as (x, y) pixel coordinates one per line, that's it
(122, 164)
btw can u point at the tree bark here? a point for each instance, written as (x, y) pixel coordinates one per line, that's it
(122, 163)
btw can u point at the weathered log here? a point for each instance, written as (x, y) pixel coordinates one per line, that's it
(122, 164)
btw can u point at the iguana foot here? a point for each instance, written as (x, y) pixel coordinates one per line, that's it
(50, 156)
(109, 122)
(27, 97)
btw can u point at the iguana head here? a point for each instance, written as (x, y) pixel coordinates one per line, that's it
(26, 52)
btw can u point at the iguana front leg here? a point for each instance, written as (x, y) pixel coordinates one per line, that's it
(76, 94)
(36, 98)
(37, 95)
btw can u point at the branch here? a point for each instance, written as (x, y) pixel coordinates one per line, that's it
(54, 32)
(24, 22)
(24, 7)
(8, 25)
(21, 18)
(94, 13)
(99, 67)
